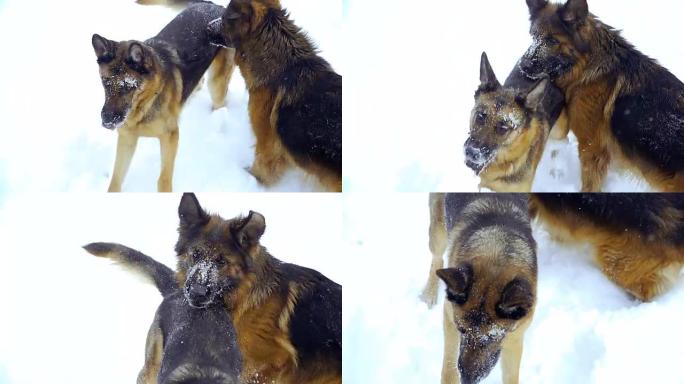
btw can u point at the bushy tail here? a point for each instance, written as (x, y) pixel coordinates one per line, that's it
(151, 270)
(176, 4)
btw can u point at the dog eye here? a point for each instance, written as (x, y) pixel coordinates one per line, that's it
(481, 117)
(552, 40)
(503, 128)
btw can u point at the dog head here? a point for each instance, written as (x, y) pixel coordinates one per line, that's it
(561, 36)
(239, 21)
(488, 301)
(500, 123)
(215, 256)
(125, 67)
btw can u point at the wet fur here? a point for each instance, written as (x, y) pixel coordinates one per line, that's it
(170, 70)
(622, 106)
(489, 235)
(287, 317)
(295, 97)
(184, 344)
(637, 239)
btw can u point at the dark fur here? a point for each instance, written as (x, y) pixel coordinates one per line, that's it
(509, 128)
(288, 317)
(601, 73)
(638, 239)
(295, 95)
(491, 281)
(197, 345)
(147, 83)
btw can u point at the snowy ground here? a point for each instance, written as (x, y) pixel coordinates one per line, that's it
(414, 69)
(72, 318)
(51, 96)
(585, 329)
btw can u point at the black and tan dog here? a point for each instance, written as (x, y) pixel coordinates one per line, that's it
(288, 318)
(295, 97)
(622, 105)
(184, 344)
(509, 127)
(491, 281)
(147, 82)
(638, 239)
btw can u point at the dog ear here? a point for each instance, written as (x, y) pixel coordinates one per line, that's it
(138, 58)
(516, 300)
(190, 212)
(574, 11)
(104, 49)
(535, 6)
(536, 93)
(458, 281)
(488, 81)
(249, 230)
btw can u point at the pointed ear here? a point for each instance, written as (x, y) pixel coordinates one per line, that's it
(458, 281)
(190, 212)
(488, 81)
(139, 58)
(516, 301)
(574, 11)
(535, 6)
(104, 49)
(250, 229)
(535, 95)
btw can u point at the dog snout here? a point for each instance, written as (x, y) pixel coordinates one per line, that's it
(477, 155)
(215, 33)
(111, 119)
(198, 296)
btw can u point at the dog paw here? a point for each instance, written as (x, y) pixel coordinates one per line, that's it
(429, 297)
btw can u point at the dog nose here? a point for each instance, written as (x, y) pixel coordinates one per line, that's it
(111, 118)
(199, 291)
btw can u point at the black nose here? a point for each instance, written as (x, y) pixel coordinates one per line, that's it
(111, 119)
(199, 291)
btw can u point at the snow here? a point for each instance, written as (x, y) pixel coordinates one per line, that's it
(414, 70)
(71, 318)
(585, 329)
(51, 97)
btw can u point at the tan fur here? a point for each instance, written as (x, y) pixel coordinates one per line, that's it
(154, 347)
(162, 121)
(642, 266)
(493, 269)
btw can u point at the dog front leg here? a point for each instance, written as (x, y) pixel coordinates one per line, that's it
(168, 144)
(511, 354)
(125, 148)
(561, 128)
(452, 340)
(594, 159)
(220, 72)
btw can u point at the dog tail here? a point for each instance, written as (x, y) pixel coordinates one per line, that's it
(151, 270)
(175, 4)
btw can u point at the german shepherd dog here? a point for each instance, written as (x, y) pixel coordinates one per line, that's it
(295, 97)
(638, 239)
(147, 82)
(184, 344)
(509, 127)
(491, 281)
(288, 318)
(622, 105)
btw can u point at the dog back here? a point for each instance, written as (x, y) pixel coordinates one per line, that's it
(187, 35)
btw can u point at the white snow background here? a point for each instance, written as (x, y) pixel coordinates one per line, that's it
(51, 97)
(585, 329)
(414, 68)
(69, 317)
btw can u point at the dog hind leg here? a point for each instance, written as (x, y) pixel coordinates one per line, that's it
(220, 72)
(438, 244)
